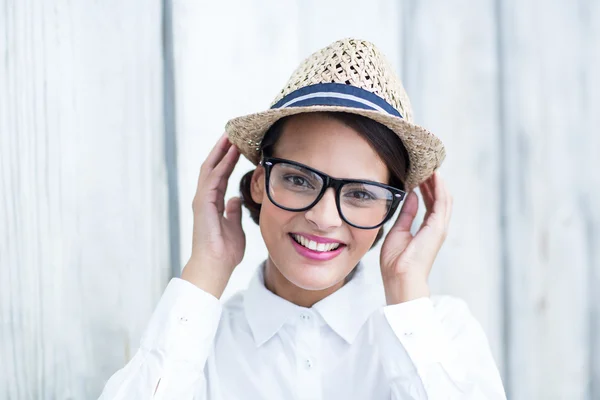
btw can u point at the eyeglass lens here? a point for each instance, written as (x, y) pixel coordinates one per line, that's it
(295, 188)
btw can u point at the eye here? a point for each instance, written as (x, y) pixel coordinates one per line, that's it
(298, 181)
(362, 195)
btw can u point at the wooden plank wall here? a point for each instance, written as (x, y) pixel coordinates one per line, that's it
(511, 88)
(226, 64)
(549, 64)
(450, 70)
(83, 210)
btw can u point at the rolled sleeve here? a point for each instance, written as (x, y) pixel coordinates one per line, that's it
(173, 350)
(448, 353)
(184, 323)
(419, 331)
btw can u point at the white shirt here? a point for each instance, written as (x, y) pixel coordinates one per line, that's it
(349, 345)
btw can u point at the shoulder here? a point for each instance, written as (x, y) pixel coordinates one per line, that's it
(233, 307)
(234, 316)
(233, 324)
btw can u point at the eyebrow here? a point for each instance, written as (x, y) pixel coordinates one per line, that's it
(367, 180)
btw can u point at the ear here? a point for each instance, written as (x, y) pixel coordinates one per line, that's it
(257, 184)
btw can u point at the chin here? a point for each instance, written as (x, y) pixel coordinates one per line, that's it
(313, 277)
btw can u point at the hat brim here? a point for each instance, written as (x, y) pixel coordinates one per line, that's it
(425, 151)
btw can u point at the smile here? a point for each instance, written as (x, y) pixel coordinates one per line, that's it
(313, 245)
(316, 248)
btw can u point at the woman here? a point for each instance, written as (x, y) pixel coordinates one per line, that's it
(337, 155)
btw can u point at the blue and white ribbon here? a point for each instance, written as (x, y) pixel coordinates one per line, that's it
(336, 94)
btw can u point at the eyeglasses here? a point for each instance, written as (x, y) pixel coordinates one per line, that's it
(296, 187)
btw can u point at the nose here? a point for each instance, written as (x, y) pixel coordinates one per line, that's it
(324, 215)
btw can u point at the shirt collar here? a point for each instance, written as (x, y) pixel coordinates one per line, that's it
(345, 311)
(266, 312)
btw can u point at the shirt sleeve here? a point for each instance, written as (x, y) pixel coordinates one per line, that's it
(437, 352)
(173, 349)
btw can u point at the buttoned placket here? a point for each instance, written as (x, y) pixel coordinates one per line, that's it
(308, 344)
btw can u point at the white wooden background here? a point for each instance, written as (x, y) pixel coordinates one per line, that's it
(107, 110)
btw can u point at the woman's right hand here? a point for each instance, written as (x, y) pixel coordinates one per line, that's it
(218, 240)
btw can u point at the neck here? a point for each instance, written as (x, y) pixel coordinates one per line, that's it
(282, 287)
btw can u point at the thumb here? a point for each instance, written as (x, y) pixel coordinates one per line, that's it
(233, 210)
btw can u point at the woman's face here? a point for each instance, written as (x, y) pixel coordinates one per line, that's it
(330, 146)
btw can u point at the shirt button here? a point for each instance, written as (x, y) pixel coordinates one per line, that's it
(308, 363)
(305, 317)
(408, 333)
(183, 320)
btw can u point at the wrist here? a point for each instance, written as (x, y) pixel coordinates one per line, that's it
(206, 277)
(400, 289)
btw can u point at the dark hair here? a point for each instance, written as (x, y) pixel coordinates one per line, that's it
(385, 142)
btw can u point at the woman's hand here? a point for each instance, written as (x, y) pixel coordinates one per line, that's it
(218, 240)
(406, 260)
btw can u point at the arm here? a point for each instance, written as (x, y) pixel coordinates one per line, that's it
(174, 348)
(436, 351)
(429, 352)
(176, 345)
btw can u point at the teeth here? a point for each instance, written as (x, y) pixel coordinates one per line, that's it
(312, 245)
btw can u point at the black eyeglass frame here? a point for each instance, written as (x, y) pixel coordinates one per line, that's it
(336, 184)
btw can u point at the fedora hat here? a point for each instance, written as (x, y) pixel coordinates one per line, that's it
(352, 76)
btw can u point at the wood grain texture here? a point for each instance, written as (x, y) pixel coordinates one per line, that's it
(512, 88)
(83, 232)
(450, 72)
(590, 182)
(230, 58)
(322, 23)
(550, 151)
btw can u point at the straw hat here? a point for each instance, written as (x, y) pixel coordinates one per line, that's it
(353, 76)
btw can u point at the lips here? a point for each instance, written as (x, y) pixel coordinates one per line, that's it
(314, 245)
(316, 248)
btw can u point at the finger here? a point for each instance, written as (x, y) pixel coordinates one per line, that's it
(435, 217)
(428, 198)
(408, 212)
(217, 153)
(215, 185)
(436, 199)
(214, 157)
(220, 175)
(440, 195)
(233, 210)
(228, 164)
(441, 207)
(449, 205)
(223, 168)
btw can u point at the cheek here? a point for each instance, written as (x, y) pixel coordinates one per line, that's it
(363, 239)
(273, 221)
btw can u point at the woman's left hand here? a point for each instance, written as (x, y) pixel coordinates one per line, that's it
(406, 260)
